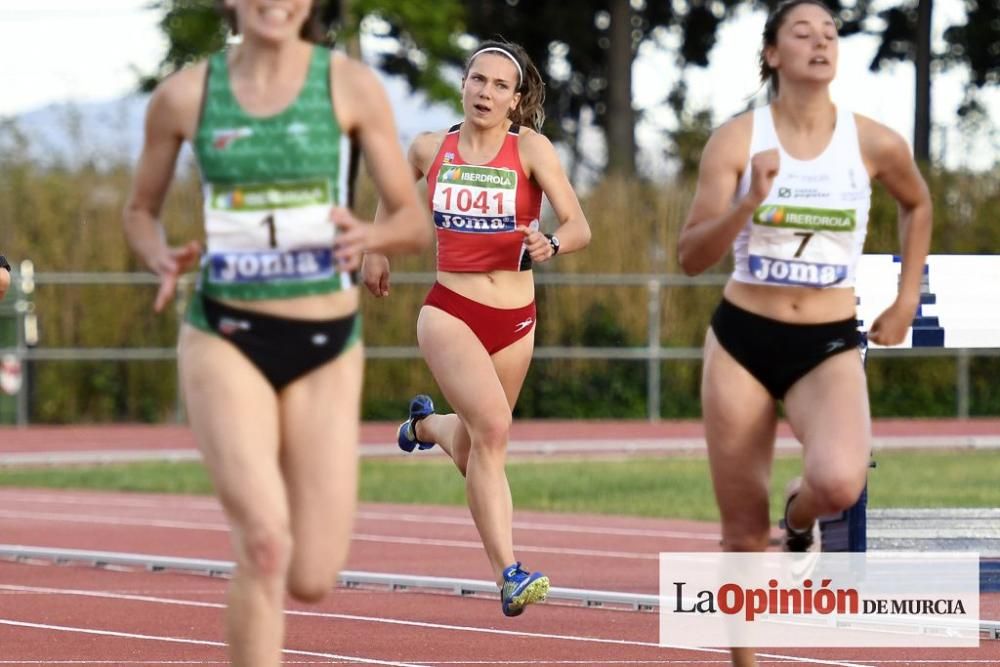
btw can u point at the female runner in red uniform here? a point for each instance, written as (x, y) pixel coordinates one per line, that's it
(485, 179)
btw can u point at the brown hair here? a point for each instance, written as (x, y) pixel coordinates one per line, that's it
(770, 36)
(315, 29)
(530, 111)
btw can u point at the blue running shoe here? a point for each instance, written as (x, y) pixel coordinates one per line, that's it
(420, 406)
(521, 588)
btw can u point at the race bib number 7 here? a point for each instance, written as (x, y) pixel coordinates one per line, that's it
(475, 199)
(797, 245)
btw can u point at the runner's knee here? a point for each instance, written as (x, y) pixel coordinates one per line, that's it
(312, 586)
(492, 430)
(836, 490)
(266, 551)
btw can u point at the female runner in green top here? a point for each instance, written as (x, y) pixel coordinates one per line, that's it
(270, 355)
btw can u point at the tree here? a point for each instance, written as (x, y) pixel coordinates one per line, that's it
(907, 36)
(974, 44)
(194, 29)
(426, 36)
(587, 50)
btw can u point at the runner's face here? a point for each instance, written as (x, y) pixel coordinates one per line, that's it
(489, 89)
(806, 46)
(271, 20)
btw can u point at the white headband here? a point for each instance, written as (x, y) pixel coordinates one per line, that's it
(520, 73)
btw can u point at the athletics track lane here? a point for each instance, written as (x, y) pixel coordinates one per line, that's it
(608, 553)
(550, 436)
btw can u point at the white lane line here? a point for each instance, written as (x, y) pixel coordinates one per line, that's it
(362, 537)
(632, 447)
(409, 623)
(161, 591)
(776, 661)
(98, 456)
(196, 642)
(113, 521)
(527, 548)
(118, 663)
(547, 527)
(123, 500)
(100, 499)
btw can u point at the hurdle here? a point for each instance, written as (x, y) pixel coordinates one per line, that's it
(951, 314)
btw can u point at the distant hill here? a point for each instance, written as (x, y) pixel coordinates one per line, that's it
(105, 132)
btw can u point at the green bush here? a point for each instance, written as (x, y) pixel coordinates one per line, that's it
(68, 219)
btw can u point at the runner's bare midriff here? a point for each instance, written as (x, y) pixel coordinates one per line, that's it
(795, 305)
(329, 306)
(499, 289)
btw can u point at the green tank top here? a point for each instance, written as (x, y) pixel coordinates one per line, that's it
(269, 184)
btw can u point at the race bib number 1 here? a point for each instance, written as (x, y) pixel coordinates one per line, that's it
(797, 245)
(271, 216)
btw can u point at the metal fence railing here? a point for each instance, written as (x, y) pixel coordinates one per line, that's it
(19, 340)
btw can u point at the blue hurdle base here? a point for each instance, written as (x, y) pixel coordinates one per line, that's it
(989, 576)
(846, 531)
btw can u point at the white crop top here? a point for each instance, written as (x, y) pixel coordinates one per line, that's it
(810, 230)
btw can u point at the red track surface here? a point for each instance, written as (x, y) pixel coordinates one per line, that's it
(51, 614)
(56, 615)
(95, 438)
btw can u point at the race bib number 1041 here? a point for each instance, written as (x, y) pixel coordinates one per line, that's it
(475, 199)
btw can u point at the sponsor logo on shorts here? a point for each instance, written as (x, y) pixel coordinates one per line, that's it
(230, 325)
(524, 324)
(835, 345)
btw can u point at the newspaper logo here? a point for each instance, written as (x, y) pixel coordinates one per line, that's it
(819, 599)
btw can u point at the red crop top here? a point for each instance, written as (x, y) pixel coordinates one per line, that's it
(478, 208)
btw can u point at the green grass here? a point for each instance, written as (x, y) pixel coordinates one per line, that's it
(658, 487)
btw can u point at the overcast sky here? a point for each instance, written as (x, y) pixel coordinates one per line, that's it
(68, 50)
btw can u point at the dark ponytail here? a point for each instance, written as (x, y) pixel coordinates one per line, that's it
(770, 36)
(530, 111)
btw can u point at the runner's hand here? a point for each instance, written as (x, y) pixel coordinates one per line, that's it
(890, 327)
(169, 266)
(537, 244)
(375, 273)
(763, 169)
(352, 239)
